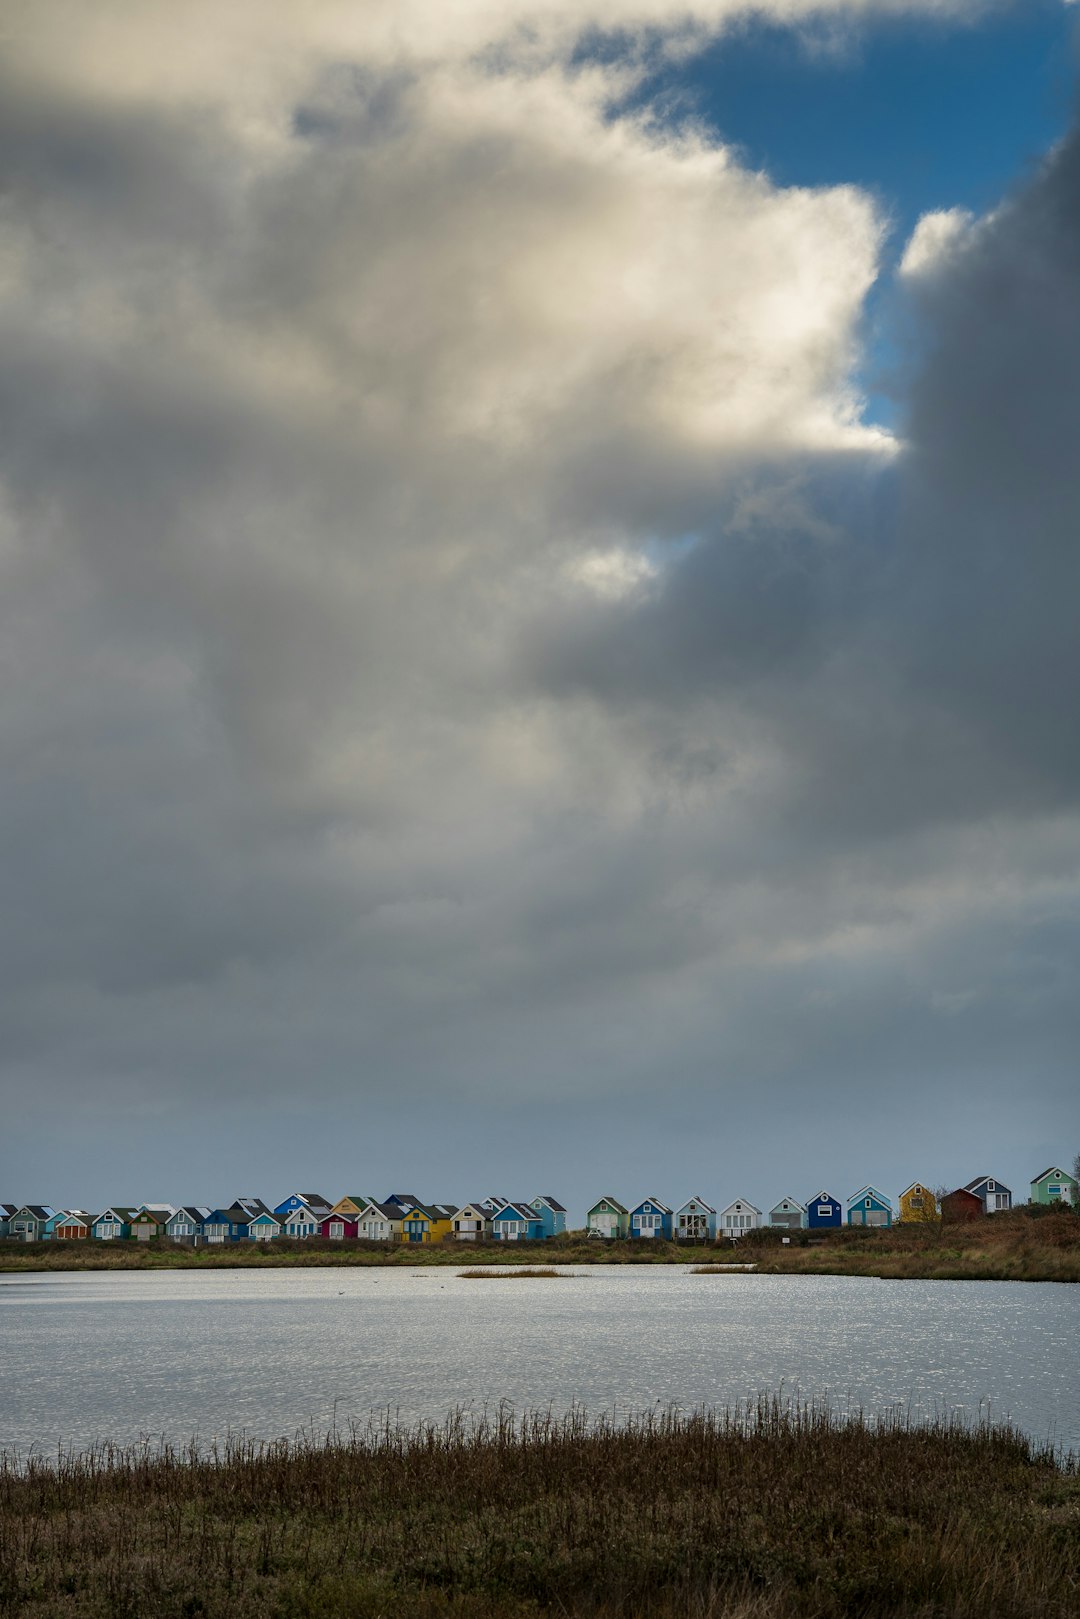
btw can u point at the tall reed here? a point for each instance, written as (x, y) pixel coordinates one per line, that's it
(772, 1509)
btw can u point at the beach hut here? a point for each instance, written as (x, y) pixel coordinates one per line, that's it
(650, 1218)
(472, 1222)
(353, 1204)
(7, 1210)
(551, 1212)
(379, 1222)
(404, 1200)
(694, 1221)
(1053, 1186)
(226, 1225)
(918, 1205)
(425, 1223)
(28, 1223)
(608, 1218)
(961, 1205)
(150, 1220)
(312, 1202)
(338, 1227)
(186, 1223)
(301, 1221)
(787, 1215)
(516, 1222)
(824, 1212)
(264, 1227)
(72, 1226)
(868, 1206)
(994, 1195)
(739, 1218)
(114, 1225)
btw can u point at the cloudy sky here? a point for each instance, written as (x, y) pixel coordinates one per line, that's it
(540, 550)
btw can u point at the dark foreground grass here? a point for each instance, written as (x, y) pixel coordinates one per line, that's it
(772, 1513)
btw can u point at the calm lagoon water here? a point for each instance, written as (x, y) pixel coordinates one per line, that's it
(86, 1358)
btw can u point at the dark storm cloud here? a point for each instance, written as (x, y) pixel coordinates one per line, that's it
(460, 643)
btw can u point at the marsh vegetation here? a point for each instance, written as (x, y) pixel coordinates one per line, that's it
(778, 1511)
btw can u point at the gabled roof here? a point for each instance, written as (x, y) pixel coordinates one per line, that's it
(981, 1180)
(192, 1211)
(118, 1211)
(302, 1200)
(700, 1201)
(36, 1211)
(614, 1202)
(483, 1209)
(516, 1211)
(824, 1197)
(792, 1203)
(234, 1215)
(79, 1215)
(656, 1203)
(741, 1203)
(253, 1205)
(157, 1211)
(546, 1197)
(873, 1192)
(403, 1198)
(267, 1214)
(917, 1186)
(1062, 1173)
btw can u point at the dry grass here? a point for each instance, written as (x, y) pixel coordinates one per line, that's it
(285, 1252)
(1026, 1245)
(721, 1270)
(507, 1275)
(776, 1512)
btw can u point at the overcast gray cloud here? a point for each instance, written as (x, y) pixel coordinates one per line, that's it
(464, 646)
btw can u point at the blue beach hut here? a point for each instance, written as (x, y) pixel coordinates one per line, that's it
(517, 1222)
(824, 1210)
(869, 1207)
(551, 1213)
(650, 1218)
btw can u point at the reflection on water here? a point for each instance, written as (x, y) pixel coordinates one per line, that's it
(87, 1357)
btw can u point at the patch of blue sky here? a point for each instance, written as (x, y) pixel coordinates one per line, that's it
(923, 114)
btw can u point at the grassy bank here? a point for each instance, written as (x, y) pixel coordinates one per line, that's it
(775, 1513)
(571, 1249)
(1024, 1245)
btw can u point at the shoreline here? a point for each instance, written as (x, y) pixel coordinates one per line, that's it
(1021, 1246)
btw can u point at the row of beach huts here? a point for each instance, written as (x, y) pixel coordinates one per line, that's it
(403, 1218)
